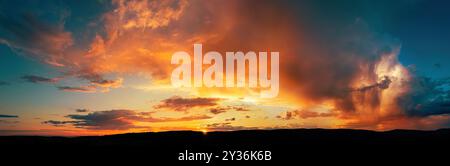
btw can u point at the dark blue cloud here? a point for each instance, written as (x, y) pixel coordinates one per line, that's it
(3, 83)
(426, 97)
(38, 79)
(8, 116)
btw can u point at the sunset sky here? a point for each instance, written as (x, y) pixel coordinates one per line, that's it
(102, 67)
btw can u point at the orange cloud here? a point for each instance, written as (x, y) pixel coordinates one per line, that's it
(350, 68)
(182, 104)
(304, 114)
(31, 36)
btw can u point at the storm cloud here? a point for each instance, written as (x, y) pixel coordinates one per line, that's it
(427, 97)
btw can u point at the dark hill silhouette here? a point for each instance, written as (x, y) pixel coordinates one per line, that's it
(342, 146)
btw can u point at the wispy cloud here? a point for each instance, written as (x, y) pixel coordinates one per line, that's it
(4, 83)
(182, 104)
(34, 37)
(223, 109)
(383, 84)
(57, 123)
(8, 116)
(81, 110)
(84, 89)
(118, 119)
(305, 114)
(39, 79)
(218, 110)
(96, 84)
(227, 126)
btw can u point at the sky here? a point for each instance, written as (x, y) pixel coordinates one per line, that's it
(103, 67)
